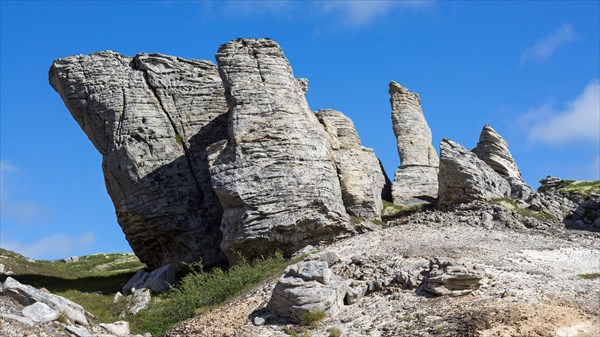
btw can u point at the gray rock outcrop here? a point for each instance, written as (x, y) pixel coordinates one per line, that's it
(416, 180)
(463, 177)
(307, 287)
(275, 175)
(493, 150)
(451, 279)
(361, 177)
(152, 117)
(28, 295)
(157, 281)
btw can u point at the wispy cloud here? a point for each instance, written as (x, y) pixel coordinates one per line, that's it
(578, 121)
(359, 13)
(545, 47)
(54, 246)
(23, 211)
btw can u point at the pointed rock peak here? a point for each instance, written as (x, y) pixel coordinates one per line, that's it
(463, 177)
(493, 150)
(399, 88)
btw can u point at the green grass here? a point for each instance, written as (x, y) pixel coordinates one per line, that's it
(202, 291)
(392, 211)
(584, 188)
(312, 317)
(334, 332)
(293, 333)
(590, 276)
(511, 204)
(197, 293)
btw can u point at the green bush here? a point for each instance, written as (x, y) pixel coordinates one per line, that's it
(312, 317)
(201, 291)
(334, 332)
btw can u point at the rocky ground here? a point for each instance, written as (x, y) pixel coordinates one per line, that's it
(532, 286)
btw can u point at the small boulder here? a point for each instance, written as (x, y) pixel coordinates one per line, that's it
(307, 287)
(40, 313)
(139, 300)
(119, 328)
(450, 278)
(157, 281)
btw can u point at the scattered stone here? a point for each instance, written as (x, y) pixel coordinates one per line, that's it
(17, 318)
(138, 301)
(1, 268)
(450, 278)
(258, 321)
(330, 257)
(464, 177)
(78, 331)
(361, 177)
(119, 328)
(118, 297)
(407, 279)
(71, 259)
(355, 293)
(40, 313)
(307, 287)
(416, 180)
(157, 281)
(152, 117)
(27, 295)
(275, 177)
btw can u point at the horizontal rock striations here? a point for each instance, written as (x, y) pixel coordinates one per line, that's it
(464, 177)
(275, 175)
(152, 117)
(416, 180)
(493, 150)
(361, 177)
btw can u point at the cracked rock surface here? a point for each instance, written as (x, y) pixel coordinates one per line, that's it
(416, 180)
(361, 178)
(152, 117)
(275, 175)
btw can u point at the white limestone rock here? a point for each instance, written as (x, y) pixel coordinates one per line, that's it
(361, 178)
(415, 181)
(152, 117)
(40, 313)
(493, 150)
(275, 175)
(464, 177)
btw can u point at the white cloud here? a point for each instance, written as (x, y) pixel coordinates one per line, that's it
(579, 121)
(23, 211)
(543, 48)
(358, 13)
(52, 247)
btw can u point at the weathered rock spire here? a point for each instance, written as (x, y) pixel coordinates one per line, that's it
(416, 178)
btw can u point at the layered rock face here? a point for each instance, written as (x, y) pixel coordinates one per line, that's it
(493, 150)
(361, 177)
(152, 117)
(464, 177)
(275, 176)
(416, 180)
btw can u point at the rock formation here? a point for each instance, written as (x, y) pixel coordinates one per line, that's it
(416, 180)
(493, 150)
(464, 177)
(451, 279)
(275, 176)
(307, 287)
(152, 117)
(359, 170)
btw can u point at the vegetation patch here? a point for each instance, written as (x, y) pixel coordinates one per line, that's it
(392, 211)
(511, 204)
(591, 276)
(296, 333)
(312, 317)
(584, 188)
(334, 332)
(201, 291)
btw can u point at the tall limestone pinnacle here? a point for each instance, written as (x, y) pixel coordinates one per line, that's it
(416, 180)
(275, 175)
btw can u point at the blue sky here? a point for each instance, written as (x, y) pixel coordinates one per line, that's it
(530, 69)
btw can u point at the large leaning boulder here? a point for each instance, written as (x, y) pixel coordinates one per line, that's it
(493, 150)
(152, 117)
(416, 180)
(464, 177)
(275, 175)
(361, 177)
